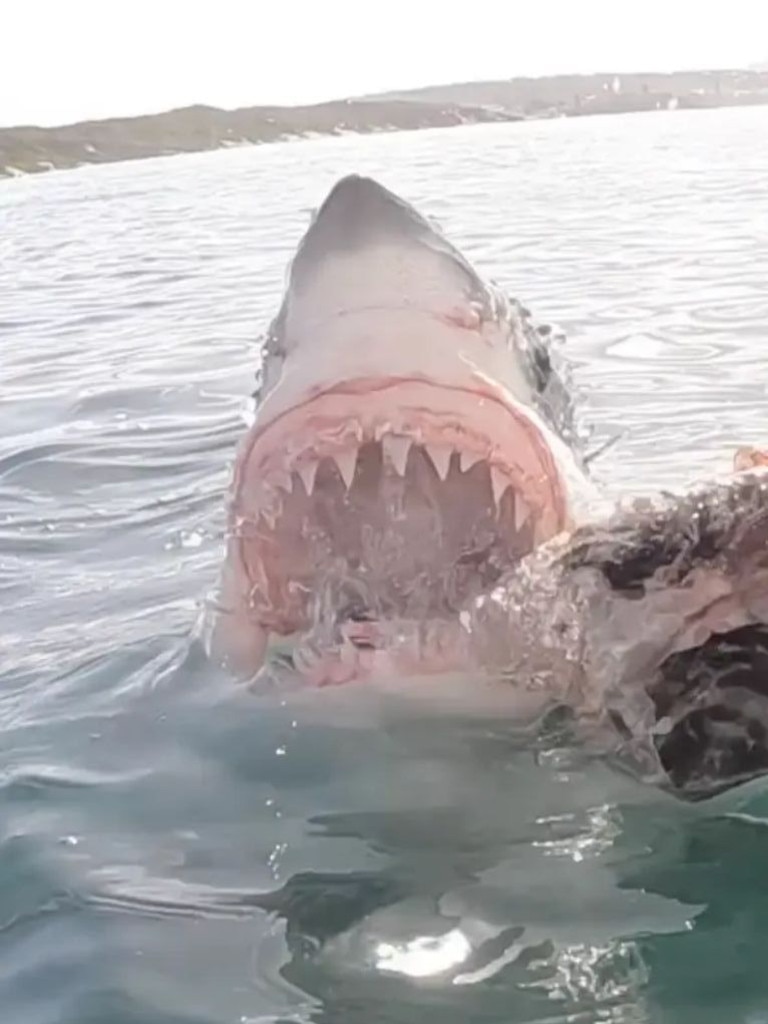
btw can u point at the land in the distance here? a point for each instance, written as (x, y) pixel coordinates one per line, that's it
(29, 149)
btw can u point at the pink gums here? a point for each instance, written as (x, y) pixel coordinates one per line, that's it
(479, 420)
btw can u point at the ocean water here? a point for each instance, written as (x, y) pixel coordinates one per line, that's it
(174, 850)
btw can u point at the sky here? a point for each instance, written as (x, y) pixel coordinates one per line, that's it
(66, 60)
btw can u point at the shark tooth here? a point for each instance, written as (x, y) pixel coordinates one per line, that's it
(441, 458)
(308, 474)
(270, 515)
(468, 459)
(396, 449)
(346, 461)
(522, 512)
(499, 484)
(260, 589)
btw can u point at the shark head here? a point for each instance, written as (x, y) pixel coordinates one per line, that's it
(413, 439)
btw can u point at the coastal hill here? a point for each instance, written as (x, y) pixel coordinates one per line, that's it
(25, 150)
(29, 149)
(573, 95)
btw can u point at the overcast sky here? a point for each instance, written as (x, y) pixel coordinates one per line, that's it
(64, 60)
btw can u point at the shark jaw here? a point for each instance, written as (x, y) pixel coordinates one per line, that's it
(394, 494)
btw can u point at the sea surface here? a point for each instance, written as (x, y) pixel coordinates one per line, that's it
(176, 850)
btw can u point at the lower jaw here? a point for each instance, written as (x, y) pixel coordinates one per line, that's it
(385, 653)
(430, 669)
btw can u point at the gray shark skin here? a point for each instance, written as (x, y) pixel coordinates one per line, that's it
(359, 214)
(413, 499)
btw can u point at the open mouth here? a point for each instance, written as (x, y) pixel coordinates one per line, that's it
(383, 517)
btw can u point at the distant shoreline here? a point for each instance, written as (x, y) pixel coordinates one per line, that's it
(33, 150)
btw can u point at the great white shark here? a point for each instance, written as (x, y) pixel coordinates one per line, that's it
(413, 498)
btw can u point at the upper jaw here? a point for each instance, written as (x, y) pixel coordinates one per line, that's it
(455, 426)
(399, 453)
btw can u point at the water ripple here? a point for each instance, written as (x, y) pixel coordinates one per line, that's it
(173, 851)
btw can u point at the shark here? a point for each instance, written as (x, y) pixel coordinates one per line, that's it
(414, 499)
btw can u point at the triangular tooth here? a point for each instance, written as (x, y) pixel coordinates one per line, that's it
(441, 458)
(468, 459)
(347, 461)
(270, 515)
(396, 449)
(308, 474)
(521, 513)
(499, 484)
(261, 585)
